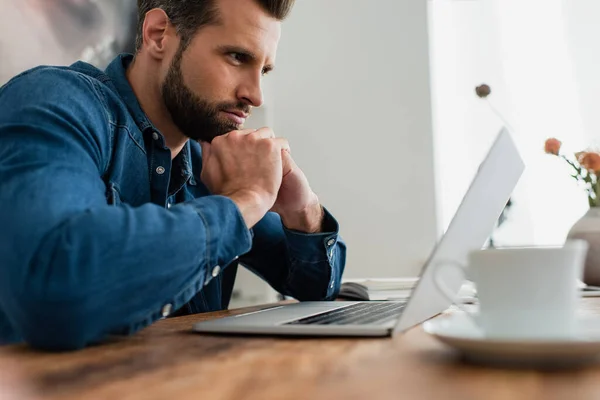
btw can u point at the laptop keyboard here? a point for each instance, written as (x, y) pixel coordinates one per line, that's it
(355, 314)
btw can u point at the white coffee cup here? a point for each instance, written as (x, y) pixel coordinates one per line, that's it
(523, 292)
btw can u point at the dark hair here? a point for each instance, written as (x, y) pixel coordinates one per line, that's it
(190, 15)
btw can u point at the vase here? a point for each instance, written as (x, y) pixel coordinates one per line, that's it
(588, 229)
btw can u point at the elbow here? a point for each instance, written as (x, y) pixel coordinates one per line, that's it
(55, 325)
(56, 332)
(55, 341)
(47, 293)
(55, 307)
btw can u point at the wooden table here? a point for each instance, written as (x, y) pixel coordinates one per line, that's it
(166, 361)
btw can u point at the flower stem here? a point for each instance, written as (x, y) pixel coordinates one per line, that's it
(572, 164)
(499, 115)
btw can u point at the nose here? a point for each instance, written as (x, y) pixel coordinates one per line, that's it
(250, 91)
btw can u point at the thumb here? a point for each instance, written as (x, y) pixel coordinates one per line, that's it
(206, 149)
(288, 162)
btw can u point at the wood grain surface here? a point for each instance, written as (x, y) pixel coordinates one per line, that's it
(167, 361)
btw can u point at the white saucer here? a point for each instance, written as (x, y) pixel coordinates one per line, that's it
(457, 330)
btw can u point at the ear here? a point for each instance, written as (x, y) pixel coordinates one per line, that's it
(156, 33)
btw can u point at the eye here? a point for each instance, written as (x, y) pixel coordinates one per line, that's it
(239, 58)
(265, 71)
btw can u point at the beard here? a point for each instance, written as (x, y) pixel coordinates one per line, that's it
(196, 118)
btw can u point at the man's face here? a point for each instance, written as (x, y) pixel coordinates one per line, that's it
(212, 86)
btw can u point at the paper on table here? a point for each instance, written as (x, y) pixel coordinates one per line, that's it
(377, 284)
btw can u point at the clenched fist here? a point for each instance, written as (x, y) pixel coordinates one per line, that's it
(246, 166)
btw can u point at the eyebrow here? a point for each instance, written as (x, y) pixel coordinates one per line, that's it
(246, 52)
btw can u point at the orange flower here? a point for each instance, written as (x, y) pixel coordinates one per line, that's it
(552, 146)
(590, 161)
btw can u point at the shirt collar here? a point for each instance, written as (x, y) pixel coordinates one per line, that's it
(186, 163)
(116, 70)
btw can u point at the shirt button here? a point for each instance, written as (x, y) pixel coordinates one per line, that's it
(160, 170)
(166, 310)
(154, 135)
(216, 270)
(331, 242)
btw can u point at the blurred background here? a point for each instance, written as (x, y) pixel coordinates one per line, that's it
(378, 101)
(62, 31)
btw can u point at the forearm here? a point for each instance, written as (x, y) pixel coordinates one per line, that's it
(115, 269)
(308, 220)
(250, 206)
(317, 261)
(304, 266)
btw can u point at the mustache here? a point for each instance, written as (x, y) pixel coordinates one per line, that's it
(239, 106)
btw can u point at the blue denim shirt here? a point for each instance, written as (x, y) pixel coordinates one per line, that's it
(104, 234)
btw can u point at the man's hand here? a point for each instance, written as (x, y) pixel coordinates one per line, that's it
(247, 167)
(296, 203)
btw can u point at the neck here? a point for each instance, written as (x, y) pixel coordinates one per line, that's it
(145, 84)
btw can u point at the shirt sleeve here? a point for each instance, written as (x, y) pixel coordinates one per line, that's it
(300, 265)
(75, 269)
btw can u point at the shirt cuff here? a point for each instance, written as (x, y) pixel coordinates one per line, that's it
(314, 247)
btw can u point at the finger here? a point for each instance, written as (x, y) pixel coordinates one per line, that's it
(242, 132)
(246, 131)
(206, 149)
(283, 144)
(287, 161)
(264, 133)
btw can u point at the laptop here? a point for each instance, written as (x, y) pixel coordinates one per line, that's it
(469, 229)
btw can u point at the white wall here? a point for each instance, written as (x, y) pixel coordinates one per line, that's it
(534, 86)
(351, 93)
(35, 32)
(583, 32)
